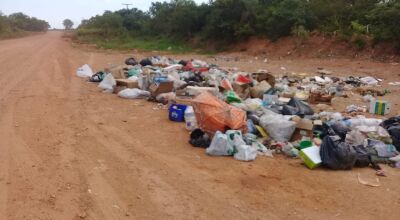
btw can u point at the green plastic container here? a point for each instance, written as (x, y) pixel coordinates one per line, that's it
(305, 144)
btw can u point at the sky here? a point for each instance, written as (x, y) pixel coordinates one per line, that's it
(55, 11)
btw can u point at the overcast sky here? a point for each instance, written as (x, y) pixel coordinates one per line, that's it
(55, 11)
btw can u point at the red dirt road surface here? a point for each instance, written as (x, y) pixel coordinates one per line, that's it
(69, 151)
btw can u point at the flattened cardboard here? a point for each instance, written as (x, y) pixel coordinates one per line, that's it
(128, 83)
(304, 128)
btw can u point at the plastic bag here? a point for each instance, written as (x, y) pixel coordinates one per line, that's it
(232, 97)
(199, 139)
(235, 139)
(131, 61)
(245, 153)
(108, 82)
(297, 107)
(98, 77)
(371, 81)
(214, 115)
(340, 129)
(84, 71)
(290, 151)
(259, 90)
(277, 126)
(362, 121)
(219, 146)
(336, 154)
(253, 104)
(363, 159)
(133, 94)
(355, 138)
(393, 127)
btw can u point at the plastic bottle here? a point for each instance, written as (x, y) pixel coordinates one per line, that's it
(190, 119)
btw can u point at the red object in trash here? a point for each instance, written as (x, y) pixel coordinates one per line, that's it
(226, 84)
(243, 80)
(189, 67)
(215, 115)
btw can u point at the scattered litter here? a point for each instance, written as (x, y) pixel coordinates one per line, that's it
(366, 183)
(85, 71)
(245, 115)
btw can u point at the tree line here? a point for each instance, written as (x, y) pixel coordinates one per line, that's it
(18, 22)
(235, 20)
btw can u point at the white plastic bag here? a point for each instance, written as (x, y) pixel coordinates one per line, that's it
(253, 104)
(368, 80)
(108, 82)
(219, 146)
(277, 126)
(235, 138)
(84, 71)
(133, 94)
(245, 153)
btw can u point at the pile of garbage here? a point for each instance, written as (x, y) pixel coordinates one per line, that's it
(245, 115)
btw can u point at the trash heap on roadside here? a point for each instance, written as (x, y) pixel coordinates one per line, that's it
(246, 115)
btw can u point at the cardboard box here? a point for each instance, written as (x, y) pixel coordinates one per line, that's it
(127, 83)
(304, 128)
(118, 72)
(160, 88)
(380, 107)
(184, 101)
(311, 157)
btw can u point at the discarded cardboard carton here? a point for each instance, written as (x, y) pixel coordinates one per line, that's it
(317, 97)
(304, 128)
(311, 157)
(264, 76)
(128, 83)
(162, 87)
(379, 107)
(184, 101)
(118, 72)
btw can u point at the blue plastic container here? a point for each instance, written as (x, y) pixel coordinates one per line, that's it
(177, 112)
(160, 79)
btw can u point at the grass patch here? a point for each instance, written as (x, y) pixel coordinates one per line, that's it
(141, 43)
(12, 34)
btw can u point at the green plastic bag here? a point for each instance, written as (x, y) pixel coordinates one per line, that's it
(231, 97)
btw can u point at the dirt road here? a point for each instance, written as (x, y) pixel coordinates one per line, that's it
(69, 151)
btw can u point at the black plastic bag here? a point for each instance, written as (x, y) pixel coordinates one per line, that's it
(183, 62)
(199, 139)
(340, 129)
(297, 107)
(336, 154)
(98, 77)
(146, 62)
(392, 125)
(363, 157)
(131, 61)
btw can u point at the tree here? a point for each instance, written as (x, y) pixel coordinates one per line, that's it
(68, 24)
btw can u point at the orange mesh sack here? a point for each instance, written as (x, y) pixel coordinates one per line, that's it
(214, 115)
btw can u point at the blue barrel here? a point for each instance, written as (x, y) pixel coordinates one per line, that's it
(177, 112)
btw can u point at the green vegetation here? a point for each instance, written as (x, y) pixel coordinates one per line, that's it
(229, 21)
(18, 24)
(68, 24)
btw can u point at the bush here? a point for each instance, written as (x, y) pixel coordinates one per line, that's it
(228, 21)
